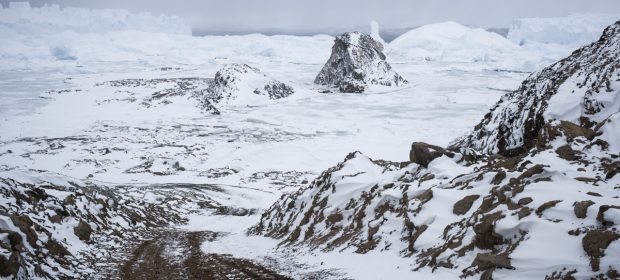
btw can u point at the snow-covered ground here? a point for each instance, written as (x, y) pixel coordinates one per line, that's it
(118, 104)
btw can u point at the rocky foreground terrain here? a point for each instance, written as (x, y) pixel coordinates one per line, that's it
(532, 192)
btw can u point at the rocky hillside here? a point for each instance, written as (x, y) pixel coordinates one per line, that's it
(578, 92)
(532, 192)
(356, 62)
(240, 84)
(73, 230)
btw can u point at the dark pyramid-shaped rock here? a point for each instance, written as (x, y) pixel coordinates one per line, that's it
(356, 62)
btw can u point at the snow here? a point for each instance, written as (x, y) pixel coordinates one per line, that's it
(575, 29)
(59, 115)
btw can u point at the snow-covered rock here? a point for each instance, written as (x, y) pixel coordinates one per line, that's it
(582, 90)
(576, 29)
(242, 85)
(61, 228)
(450, 41)
(544, 213)
(357, 62)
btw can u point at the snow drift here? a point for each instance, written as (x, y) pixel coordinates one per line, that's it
(576, 29)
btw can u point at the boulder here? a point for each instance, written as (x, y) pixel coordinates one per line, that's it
(423, 153)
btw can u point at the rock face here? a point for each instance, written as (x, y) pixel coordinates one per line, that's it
(357, 61)
(242, 85)
(572, 96)
(60, 230)
(497, 194)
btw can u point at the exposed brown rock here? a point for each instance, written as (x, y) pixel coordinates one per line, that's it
(536, 169)
(423, 153)
(24, 223)
(581, 208)
(83, 231)
(525, 201)
(566, 152)
(9, 267)
(499, 177)
(545, 206)
(462, 206)
(486, 261)
(601, 214)
(486, 237)
(524, 212)
(594, 244)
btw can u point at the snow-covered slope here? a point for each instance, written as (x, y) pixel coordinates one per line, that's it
(357, 62)
(580, 90)
(242, 85)
(62, 228)
(576, 29)
(546, 213)
(450, 41)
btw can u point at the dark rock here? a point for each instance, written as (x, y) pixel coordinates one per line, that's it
(56, 249)
(83, 231)
(499, 177)
(423, 153)
(545, 206)
(9, 267)
(525, 201)
(601, 214)
(356, 61)
(486, 237)
(69, 200)
(24, 223)
(524, 212)
(425, 196)
(536, 169)
(486, 261)
(566, 152)
(594, 244)
(462, 206)
(581, 208)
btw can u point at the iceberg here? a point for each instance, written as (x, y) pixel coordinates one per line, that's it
(576, 29)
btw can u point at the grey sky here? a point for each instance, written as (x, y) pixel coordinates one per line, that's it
(334, 14)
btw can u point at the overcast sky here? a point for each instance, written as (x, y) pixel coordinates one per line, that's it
(322, 14)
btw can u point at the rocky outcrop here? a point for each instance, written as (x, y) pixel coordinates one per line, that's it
(242, 85)
(61, 230)
(572, 97)
(357, 62)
